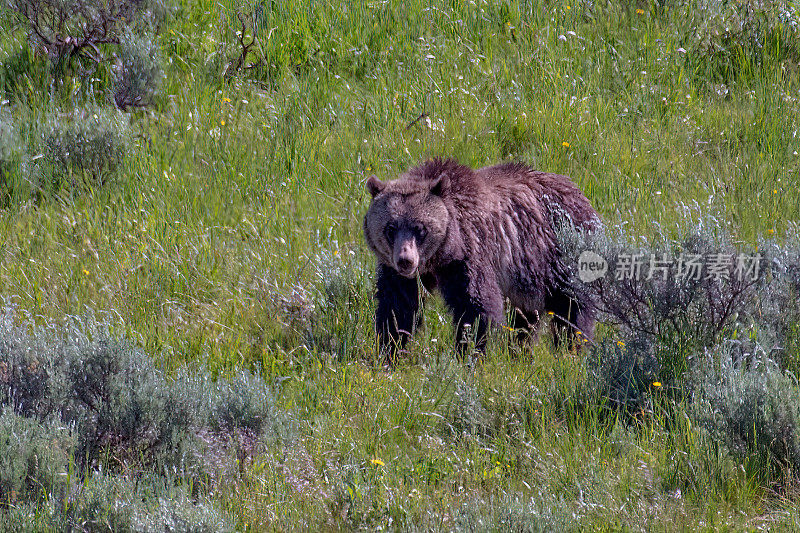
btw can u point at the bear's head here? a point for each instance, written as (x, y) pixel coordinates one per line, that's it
(407, 222)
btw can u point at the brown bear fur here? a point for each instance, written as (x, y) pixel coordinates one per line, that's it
(479, 237)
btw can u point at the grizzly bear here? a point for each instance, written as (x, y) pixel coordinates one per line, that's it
(478, 237)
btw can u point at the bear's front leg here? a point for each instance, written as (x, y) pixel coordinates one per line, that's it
(573, 321)
(475, 299)
(398, 306)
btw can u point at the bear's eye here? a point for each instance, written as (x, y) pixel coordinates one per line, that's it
(421, 232)
(390, 232)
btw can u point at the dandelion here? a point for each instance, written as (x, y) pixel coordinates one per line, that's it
(85, 272)
(228, 100)
(774, 191)
(565, 144)
(656, 384)
(640, 11)
(377, 462)
(567, 7)
(222, 122)
(620, 343)
(770, 231)
(550, 313)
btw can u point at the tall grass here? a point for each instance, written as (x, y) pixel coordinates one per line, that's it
(230, 238)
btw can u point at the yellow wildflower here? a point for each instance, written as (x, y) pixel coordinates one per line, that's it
(621, 343)
(377, 462)
(85, 272)
(226, 100)
(656, 384)
(222, 122)
(567, 7)
(565, 144)
(640, 11)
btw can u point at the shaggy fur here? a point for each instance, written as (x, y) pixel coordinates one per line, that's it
(479, 237)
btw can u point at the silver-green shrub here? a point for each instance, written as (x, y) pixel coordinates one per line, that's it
(79, 401)
(465, 416)
(246, 401)
(621, 373)
(677, 312)
(32, 376)
(102, 386)
(507, 513)
(85, 148)
(178, 512)
(7, 144)
(9, 157)
(34, 458)
(121, 406)
(138, 71)
(119, 403)
(746, 401)
(661, 323)
(516, 513)
(103, 502)
(778, 315)
(341, 318)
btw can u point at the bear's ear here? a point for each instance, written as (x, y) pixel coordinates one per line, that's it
(440, 184)
(375, 186)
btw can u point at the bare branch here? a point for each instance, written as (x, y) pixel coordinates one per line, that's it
(70, 32)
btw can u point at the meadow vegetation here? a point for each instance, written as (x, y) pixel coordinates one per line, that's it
(186, 338)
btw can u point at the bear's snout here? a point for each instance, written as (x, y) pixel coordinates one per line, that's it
(404, 264)
(406, 255)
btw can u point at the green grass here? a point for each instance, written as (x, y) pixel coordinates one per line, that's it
(232, 239)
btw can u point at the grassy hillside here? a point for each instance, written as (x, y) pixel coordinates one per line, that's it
(226, 236)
